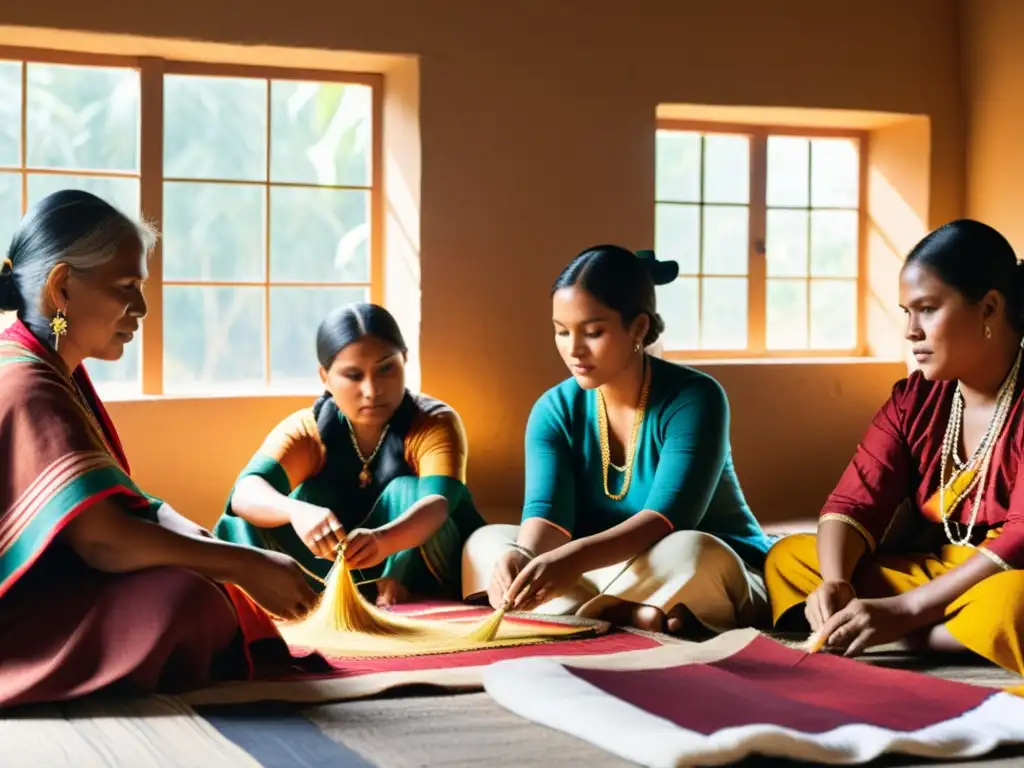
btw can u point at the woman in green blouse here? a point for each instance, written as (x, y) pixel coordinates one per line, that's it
(633, 511)
(370, 466)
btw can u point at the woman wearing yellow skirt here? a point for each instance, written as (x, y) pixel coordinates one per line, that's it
(946, 452)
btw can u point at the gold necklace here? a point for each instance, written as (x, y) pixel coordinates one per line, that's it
(364, 474)
(951, 450)
(606, 452)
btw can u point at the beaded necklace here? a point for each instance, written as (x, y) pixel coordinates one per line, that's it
(602, 430)
(982, 458)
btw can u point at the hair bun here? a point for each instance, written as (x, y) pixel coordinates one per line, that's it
(662, 272)
(8, 291)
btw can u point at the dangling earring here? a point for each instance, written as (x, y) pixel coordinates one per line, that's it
(638, 347)
(988, 332)
(59, 327)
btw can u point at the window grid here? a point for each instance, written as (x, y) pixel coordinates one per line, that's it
(757, 272)
(149, 175)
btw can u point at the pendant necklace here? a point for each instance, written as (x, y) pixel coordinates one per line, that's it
(365, 477)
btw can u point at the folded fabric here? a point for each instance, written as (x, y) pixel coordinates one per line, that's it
(743, 694)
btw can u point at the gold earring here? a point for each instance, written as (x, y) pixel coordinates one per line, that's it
(988, 332)
(59, 327)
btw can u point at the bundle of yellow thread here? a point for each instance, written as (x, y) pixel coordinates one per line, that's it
(345, 622)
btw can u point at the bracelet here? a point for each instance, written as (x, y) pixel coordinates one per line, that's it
(524, 551)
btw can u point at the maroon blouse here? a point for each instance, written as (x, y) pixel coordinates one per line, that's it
(900, 458)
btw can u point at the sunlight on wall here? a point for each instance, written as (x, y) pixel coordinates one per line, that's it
(402, 173)
(899, 158)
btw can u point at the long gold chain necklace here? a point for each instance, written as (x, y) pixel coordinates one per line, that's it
(982, 457)
(602, 431)
(365, 477)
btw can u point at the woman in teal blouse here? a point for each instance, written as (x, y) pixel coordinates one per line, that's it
(633, 511)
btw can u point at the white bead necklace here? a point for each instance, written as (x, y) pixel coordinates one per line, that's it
(982, 458)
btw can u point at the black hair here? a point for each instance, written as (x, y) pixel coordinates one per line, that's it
(347, 325)
(623, 281)
(973, 258)
(342, 327)
(71, 227)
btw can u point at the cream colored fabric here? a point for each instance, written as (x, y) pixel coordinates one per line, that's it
(688, 567)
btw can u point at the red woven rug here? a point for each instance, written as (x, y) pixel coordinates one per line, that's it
(361, 677)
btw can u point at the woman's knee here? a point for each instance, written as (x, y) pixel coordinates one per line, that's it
(179, 598)
(480, 553)
(789, 551)
(703, 550)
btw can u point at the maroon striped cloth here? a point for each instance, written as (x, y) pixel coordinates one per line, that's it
(743, 694)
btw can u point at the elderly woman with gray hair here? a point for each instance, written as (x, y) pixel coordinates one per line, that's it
(101, 584)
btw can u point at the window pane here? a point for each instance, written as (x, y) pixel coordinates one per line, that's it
(10, 207)
(123, 194)
(726, 169)
(213, 339)
(83, 118)
(677, 166)
(835, 173)
(121, 377)
(10, 113)
(320, 133)
(319, 235)
(786, 314)
(214, 232)
(833, 314)
(786, 243)
(726, 242)
(677, 235)
(678, 306)
(215, 128)
(723, 319)
(788, 171)
(834, 243)
(295, 315)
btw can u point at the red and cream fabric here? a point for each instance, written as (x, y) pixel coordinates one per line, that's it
(743, 694)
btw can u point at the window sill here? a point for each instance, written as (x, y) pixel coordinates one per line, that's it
(274, 394)
(699, 362)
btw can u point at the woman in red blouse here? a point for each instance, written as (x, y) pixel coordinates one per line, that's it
(923, 537)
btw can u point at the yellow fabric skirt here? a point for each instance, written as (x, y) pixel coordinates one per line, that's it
(988, 619)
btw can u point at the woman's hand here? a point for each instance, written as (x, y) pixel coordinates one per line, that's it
(865, 623)
(827, 600)
(276, 582)
(506, 569)
(319, 530)
(363, 549)
(546, 577)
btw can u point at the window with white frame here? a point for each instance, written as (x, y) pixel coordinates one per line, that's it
(263, 184)
(766, 226)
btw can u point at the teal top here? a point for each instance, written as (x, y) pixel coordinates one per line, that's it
(682, 469)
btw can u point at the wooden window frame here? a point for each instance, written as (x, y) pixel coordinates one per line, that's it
(151, 178)
(757, 275)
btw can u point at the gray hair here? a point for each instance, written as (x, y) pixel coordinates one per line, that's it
(70, 227)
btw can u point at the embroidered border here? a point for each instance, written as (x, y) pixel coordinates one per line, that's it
(857, 526)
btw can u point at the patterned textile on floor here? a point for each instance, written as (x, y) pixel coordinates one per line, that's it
(352, 678)
(743, 694)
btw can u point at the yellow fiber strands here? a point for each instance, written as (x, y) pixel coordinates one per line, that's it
(345, 624)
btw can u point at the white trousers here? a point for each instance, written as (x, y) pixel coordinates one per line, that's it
(689, 567)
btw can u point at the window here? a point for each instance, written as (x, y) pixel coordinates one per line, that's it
(766, 227)
(263, 184)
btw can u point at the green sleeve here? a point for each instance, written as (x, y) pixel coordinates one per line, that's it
(695, 436)
(269, 469)
(452, 489)
(549, 493)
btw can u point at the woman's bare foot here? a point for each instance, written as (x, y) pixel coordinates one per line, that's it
(678, 621)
